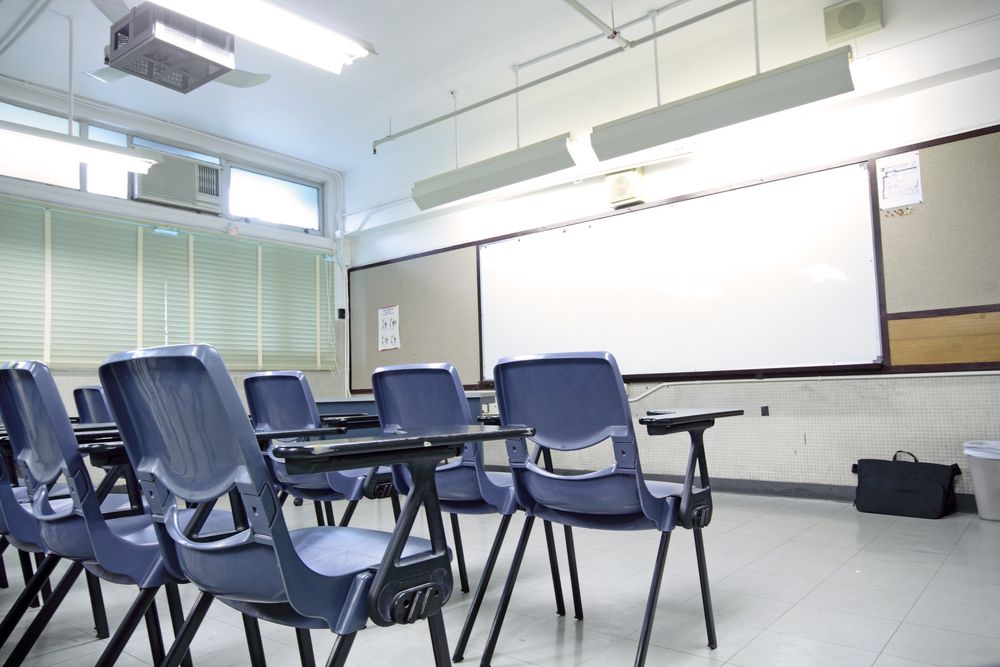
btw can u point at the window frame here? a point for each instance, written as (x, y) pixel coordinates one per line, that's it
(229, 165)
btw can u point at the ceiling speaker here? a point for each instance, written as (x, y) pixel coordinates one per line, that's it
(852, 18)
(624, 187)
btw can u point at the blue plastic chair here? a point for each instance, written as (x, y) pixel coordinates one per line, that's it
(575, 401)
(185, 427)
(119, 546)
(283, 400)
(412, 396)
(91, 406)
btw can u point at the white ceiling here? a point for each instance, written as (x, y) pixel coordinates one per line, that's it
(426, 48)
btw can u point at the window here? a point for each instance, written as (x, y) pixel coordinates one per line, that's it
(117, 285)
(174, 150)
(102, 180)
(34, 168)
(259, 196)
(271, 199)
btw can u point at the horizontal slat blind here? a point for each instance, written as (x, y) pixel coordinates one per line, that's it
(328, 351)
(225, 298)
(289, 301)
(165, 289)
(22, 281)
(93, 289)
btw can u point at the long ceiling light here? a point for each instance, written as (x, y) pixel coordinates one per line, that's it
(532, 161)
(277, 29)
(793, 85)
(61, 148)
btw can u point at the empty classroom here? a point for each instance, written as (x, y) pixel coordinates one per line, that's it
(535, 333)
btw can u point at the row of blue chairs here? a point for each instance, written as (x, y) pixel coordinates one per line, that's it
(190, 443)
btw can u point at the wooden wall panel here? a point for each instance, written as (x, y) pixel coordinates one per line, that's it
(949, 339)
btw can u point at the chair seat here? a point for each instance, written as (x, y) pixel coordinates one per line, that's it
(346, 551)
(57, 491)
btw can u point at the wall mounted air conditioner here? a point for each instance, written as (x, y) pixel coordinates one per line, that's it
(181, 182)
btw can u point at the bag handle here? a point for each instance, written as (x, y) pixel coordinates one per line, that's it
(895, 457)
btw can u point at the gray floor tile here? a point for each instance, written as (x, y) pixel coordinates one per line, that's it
(944, 647)
(775, 649)
(836, 627)
(793, 582)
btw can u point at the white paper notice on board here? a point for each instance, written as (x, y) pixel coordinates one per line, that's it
(388, 328)
(899, 180)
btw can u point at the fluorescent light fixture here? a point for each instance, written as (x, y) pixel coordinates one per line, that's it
(580, 149)
(41, 144)
(539, 159)
(277, 29)
(776, 90)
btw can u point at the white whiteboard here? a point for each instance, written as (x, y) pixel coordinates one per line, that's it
(778, 275)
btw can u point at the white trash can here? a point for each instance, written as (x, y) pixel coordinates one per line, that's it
(984, 463)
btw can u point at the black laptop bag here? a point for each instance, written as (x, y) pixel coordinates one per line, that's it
(906, 488)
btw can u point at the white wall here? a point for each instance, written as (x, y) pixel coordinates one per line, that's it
(934, 70)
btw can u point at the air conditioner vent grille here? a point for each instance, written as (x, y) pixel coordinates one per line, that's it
(208, 180)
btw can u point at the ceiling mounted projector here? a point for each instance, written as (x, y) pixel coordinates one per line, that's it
(169, 49)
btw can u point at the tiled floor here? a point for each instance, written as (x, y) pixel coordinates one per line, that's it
(794, 582)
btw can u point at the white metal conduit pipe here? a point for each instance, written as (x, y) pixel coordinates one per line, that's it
(609, 30)
(566, 70)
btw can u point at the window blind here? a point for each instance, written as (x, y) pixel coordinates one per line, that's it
(93, 289)
(289, 307)
(225, 298)
(22, 281)
(165, 290)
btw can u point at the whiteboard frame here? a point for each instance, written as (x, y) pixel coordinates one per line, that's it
(863, 233)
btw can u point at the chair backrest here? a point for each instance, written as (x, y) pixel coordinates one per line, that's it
(281, 400)
(420, 395)
(412, 396)
(39, 428)
(46, 448)
(574, 401)
(91, 405)
(188, 437)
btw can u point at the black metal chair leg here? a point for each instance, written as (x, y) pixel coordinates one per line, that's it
(550, 543)
(182, 638)
(348, 513)
(176, 611)
(282, 497)
(318, 507)
(341, 647)
(97, 606)
(27, 572)
(304, 640)
(254, 643)
(508, 588)
(328, 510)
(47, 586)
(127, 627)
(3, 569)
(38, 624)
(394, 499)
(574, 577)
(154, 633)
(439, 640)
(706, 594)
(654, 595)
(477, 600)
(463, 574)
(31, 587)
